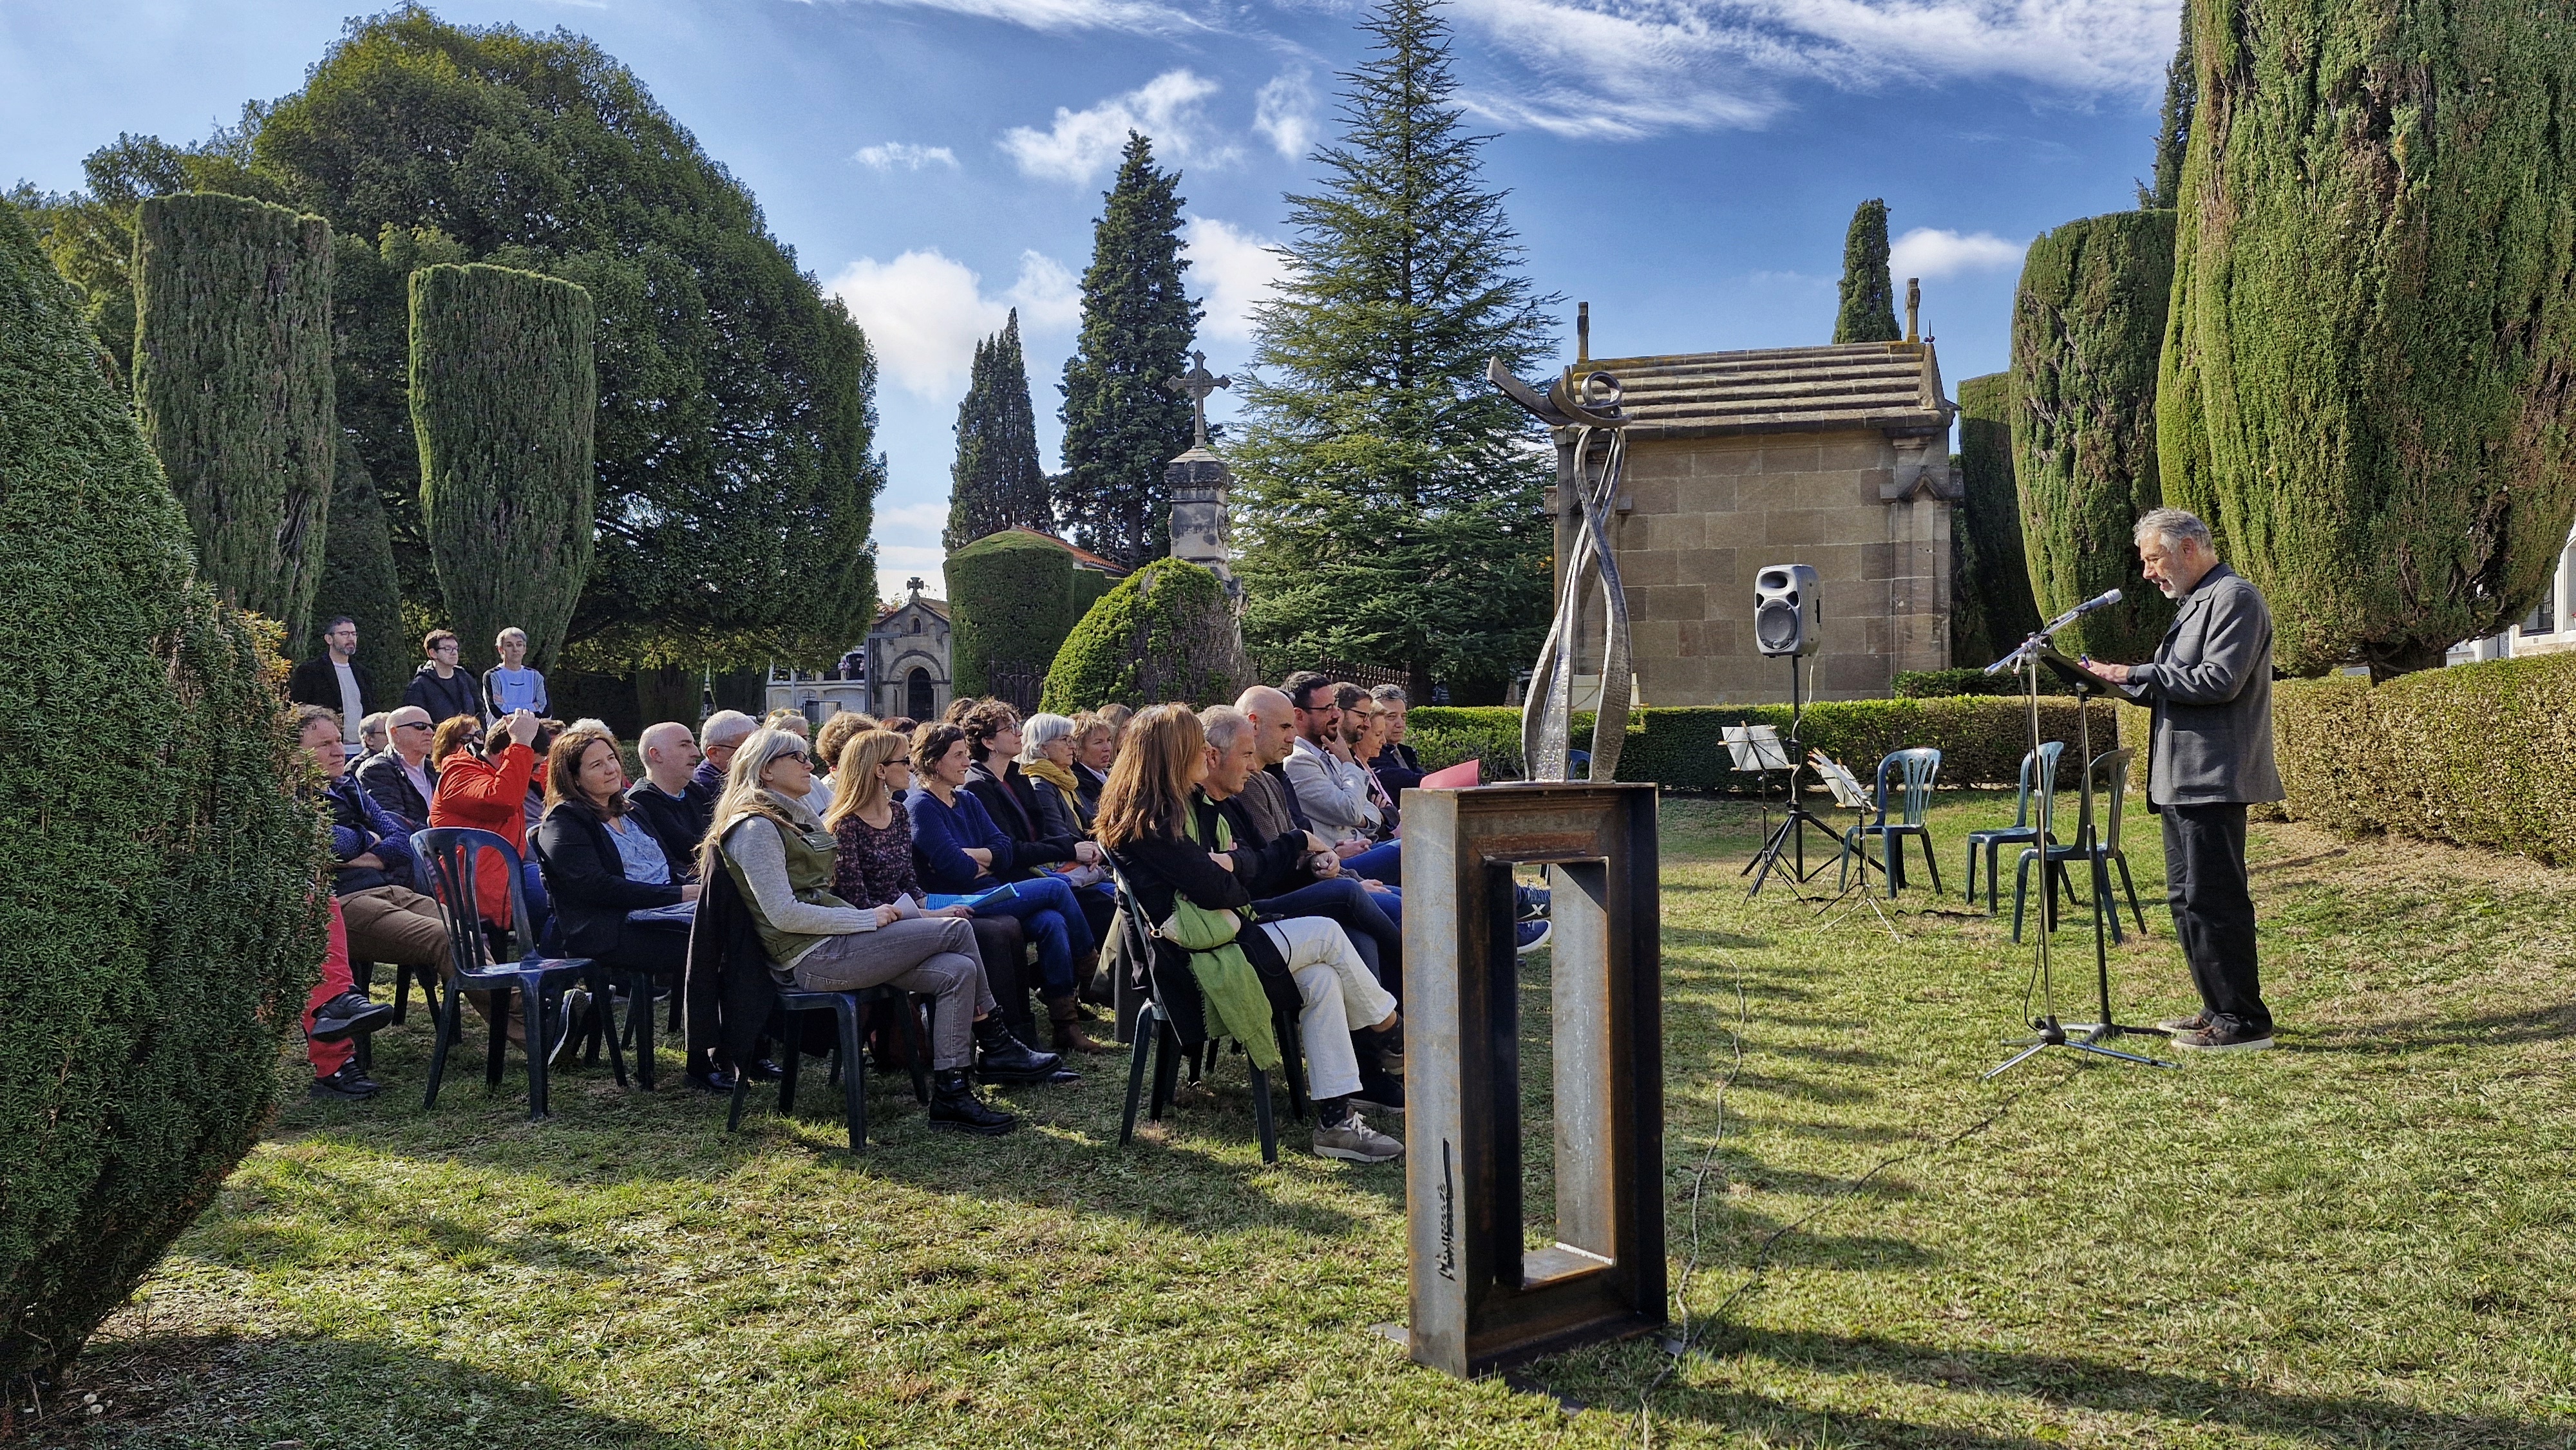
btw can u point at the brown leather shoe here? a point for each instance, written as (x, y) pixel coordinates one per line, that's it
(1066, 1015)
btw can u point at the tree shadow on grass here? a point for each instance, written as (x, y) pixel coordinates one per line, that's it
(2393, 1039)
(201, 1391)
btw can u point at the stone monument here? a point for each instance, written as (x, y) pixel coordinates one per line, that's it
(1199, 480)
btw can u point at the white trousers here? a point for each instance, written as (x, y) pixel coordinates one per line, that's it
(1340, 993)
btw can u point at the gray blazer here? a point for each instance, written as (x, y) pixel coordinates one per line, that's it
(2211, 688)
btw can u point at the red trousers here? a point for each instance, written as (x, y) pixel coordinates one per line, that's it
(328, 1057)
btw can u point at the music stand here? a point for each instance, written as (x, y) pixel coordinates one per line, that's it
(2036, 653)
(1849, 794)
(1791, 834)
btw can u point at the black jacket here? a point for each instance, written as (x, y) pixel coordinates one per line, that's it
(1158, 871)
(382, 775)
(587, 880)
(443, 699)
(1007, 799)
(678, 823)
(314, 682)
(1266, 868)
(1398, 769)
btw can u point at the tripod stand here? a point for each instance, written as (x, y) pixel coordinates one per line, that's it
(2047, 1030)
(1790, 835)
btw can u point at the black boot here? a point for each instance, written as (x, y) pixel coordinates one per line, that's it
(1000, 1056)
(954, 1106)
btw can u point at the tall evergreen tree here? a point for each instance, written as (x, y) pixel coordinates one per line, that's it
(996, 482)
(2173, 128)
(1391, 497)
(1868, 291)
(1121, 425)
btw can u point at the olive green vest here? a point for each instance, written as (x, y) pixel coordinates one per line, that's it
(810, 855)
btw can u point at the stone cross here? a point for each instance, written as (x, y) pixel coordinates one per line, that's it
(1196, 384)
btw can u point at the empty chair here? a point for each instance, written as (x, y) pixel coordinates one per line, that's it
(2023, 831)
(1897, 814)
(2097, 843)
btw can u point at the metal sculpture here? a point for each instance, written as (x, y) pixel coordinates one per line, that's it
(1584, 411)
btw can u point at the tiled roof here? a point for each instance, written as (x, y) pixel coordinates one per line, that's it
(1890, 385)
(1081, 556)
(888, 609)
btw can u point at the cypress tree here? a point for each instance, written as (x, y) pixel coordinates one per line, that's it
(502, 397)
(2173, 127)
(160, 928)
(232, 380)
(2088, 322)
(1868, 312)
(1991, 609)
(1121, 425)
(2374, 317)
(360, 581)
(996, 483)
(1391, 497)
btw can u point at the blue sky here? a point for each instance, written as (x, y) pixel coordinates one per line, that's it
(1687, 166)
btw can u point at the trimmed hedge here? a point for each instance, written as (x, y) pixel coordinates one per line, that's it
(1981, 740)
(360, 580)
(1990, 609)
(1167, 632)
(1011, 602)
(161, 923)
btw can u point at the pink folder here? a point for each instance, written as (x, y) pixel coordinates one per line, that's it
(1462, 774)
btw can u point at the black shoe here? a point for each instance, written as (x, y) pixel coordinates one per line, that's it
(347, 1084)
(764, 1070)
(2224, 1037)
(348, 1015)
(711, 1080)
(1379, 1094)
(955, 1108)
(1000, 1056)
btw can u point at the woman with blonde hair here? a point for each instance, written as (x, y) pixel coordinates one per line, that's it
(1094, 742)
(1174, 849)
(780, 858)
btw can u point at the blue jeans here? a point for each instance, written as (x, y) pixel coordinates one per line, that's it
(1379, 863)
(1372, 921)
(1045, 908)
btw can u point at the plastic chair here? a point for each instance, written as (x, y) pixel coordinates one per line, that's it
(453, 853)
(2097, 846)
(1158, 1037)
(2021, 831)
(849, 1056)
(1916, 770)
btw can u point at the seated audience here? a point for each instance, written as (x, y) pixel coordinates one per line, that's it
(1363, 732)
(400, 777)
(835, 737)
(487, 789)
(668, 801)
(511, 685)
(791, 721)
(1094, 742)
(438, 686)
(959, 852)
(873, 838)
(717, 738)
(334, 680)
(1334, 791)
(1171, 844)
(961, 707)
(336, 1010)
(782, 860)
(1009, 795)
(1395, 763)
(1115, 716)
(372, 737)
(602, 867)
(902, 725)
(1047, 747)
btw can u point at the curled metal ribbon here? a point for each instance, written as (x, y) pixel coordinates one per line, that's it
(1589, 408)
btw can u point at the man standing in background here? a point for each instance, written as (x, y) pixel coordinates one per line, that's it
(334, 681)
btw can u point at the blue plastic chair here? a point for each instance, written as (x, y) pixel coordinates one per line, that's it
(2097, 845)
(2021, 831)
(453, 853)
(849, 1057)
(1898, 816)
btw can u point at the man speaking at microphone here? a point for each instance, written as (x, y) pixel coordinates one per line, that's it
(2209, 757)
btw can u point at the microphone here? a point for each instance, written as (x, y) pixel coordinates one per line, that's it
(2105, 600)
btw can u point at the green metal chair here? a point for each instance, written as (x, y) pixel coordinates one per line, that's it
(1897, 816)
(2022, 831)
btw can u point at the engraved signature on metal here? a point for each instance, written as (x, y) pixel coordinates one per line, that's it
(1584, 410)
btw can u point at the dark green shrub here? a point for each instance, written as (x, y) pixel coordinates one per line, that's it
(161, 925)
(2374, 317)
(1010, 606)
(1933, 684)
(1990, 606)
(1167, 632)
(359, 579)
(2088, 322)
(232, 379)
(502, 399)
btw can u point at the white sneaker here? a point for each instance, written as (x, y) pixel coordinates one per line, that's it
(1356, 1142)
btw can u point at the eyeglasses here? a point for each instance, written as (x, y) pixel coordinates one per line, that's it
(799, 756)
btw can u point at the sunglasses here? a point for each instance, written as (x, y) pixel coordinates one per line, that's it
(415, 726)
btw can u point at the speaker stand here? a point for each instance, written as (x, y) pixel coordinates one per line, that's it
(1789, 836)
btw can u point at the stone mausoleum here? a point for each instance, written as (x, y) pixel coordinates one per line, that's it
(1836, 457)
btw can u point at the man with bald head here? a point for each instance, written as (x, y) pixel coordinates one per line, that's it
(399, 778)
(670, 802)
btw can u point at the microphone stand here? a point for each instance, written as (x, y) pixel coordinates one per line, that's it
(2047, 1030)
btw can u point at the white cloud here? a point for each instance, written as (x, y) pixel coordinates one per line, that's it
(1231, 269)
(897, 563)
(1622, 69)
(923, 517)
(1930, 252)
(887, 155)
(924, 312)
(1139, 16)
(1084, 143)
(1284, 111)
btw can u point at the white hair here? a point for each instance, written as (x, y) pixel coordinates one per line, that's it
(1040, 731)
(725, 727)
(2175, 525)
(1223, 725)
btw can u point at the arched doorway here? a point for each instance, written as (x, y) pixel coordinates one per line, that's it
(916, 694)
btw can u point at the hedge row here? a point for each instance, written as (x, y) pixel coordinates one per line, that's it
(1981, 740)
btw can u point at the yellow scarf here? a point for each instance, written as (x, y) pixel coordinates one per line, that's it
(1053, 774)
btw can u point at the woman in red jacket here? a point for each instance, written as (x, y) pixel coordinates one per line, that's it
(488, 791)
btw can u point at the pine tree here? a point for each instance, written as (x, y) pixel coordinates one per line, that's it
(232, 381)
(1121, 425)
(1868, 292)
(2173, 128)
(2371, 324)
(502, 397)
(1391, 496)
(996, 482)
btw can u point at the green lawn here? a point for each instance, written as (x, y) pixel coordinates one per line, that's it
(2363, 1239)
